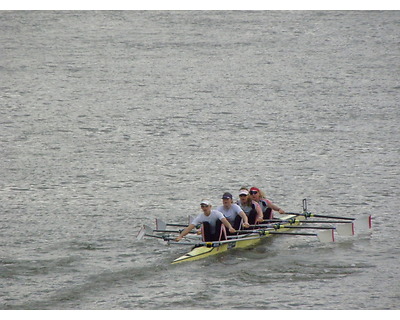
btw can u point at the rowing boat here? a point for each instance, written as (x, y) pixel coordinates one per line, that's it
(252, 238)
(285, 225)
(213, 248)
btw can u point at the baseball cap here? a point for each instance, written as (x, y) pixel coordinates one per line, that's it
(206, 202)
(226, 195)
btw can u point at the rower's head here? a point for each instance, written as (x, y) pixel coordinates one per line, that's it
(227, 199)
(206, 206)
(255, 193)
(243, 195)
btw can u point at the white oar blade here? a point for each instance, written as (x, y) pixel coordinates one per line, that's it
(149, 230)
(326, 236)
(161, 225)
(141, 233)
(144, 231)
(363, 224)
(345, 229)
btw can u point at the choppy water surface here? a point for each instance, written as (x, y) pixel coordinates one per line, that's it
(109, 120)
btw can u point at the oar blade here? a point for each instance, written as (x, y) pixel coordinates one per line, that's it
(161, 224)
(345, 229)
(326, 236)
(144, 231)
(141, 234)
(363, 224)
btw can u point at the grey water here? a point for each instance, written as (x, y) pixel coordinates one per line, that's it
(110, 119)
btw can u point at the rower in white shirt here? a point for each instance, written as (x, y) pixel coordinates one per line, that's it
(211, 219)
(232, 212)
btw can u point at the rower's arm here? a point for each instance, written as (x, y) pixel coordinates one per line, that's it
(276, 208)
(228, 225)
(244, 217)
(260, 216)
(185, 232)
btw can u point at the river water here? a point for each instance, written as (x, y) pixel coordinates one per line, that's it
(109, 120)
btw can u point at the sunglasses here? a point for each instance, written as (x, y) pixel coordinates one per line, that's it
(242, 195)
(253, 192)
(204, 206)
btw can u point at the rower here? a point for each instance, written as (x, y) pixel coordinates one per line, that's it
(266, 205)
(251, 208)
(213, 221)
(233, 212)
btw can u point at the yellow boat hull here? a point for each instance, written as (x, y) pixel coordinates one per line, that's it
(205, 251)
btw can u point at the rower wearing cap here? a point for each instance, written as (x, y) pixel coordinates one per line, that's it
(266, 205)
(232, 211)
(251, 208)
(211, 220)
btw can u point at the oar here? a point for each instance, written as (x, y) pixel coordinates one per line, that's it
(222, 242)
(312, 215)
(148, 232)
(167, 231)
(323, 236)
(278, 220)
(212, 243)
(293, 221)
(346, 229)
(363, 223)
(282, 226)
(305, 227)
(343, 229)
(162, 225)
(360, 224)
(308, 214)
